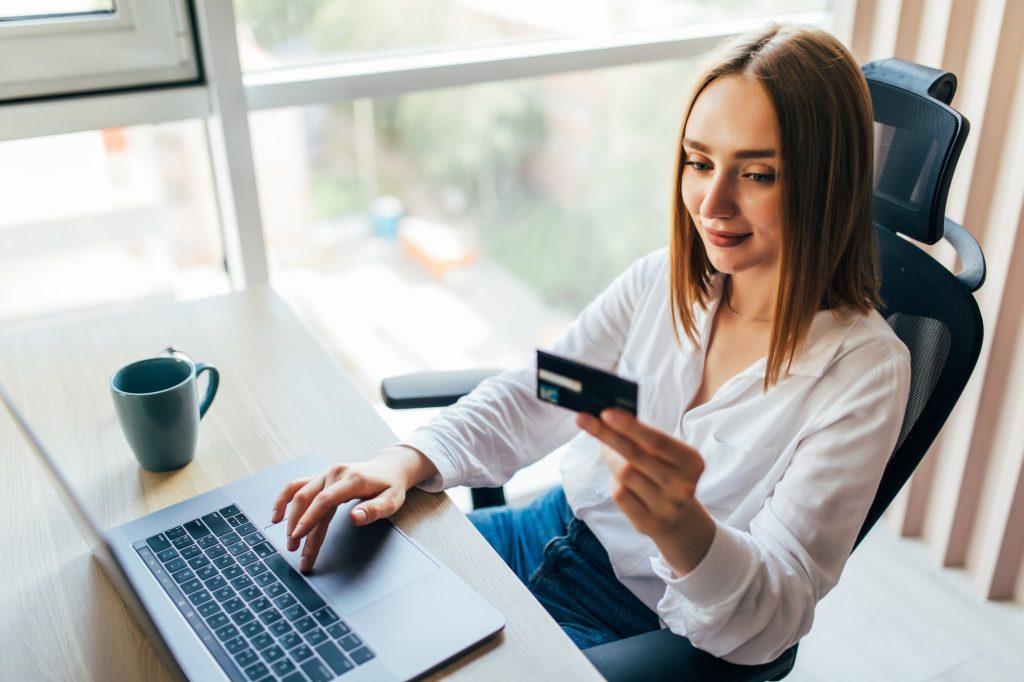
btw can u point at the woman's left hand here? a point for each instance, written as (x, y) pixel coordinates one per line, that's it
(655, 476)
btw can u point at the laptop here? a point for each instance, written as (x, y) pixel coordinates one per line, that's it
(211, 582)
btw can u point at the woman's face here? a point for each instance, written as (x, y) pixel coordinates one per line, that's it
(729, 185)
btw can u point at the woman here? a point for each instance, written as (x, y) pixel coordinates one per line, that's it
(772, 392)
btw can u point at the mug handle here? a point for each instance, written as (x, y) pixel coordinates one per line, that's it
(211, 385)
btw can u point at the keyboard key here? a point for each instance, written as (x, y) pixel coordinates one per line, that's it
(232, 605)
(234, 521)
(290, 640)
(175, 533)
(304, 624)
(218, 620)
(158, 542)
(167, 555)
(244, 616)
(296, 677)
(259, 604)
(315, 637)
(271, 616)
(230, 538)
(236, 645)
(238, 548)
(265, 580)
(246, 657)
(206, 572)
(338, 630)
(274, 589)
(199, 596)
(229, 510)
(262, 641)
(232, 571)
(294, 612)
(316, 670)
(295, 582)
(241, 582)
(190, 586)
(175, 565)
(224, 562)
(350, 642)
(190, 552)
(257, 671)
(196, 529)
(227, 632)
(273, 653)
(332, 654)
(326, 616)
(183, 542)
(198, 562)
(264, 549)
(224, 593)
(252, 629)
(207, 541)
(301, 652)
(281, 628)
(253, 539)
(255, 569)
(361, 655)
(208, 609)
(216, 583)
(283, 667)
(250, 593)
(246, 558)
(284, 601)
(245, 529)
(183, 575)
(216, 551)
(216, 523)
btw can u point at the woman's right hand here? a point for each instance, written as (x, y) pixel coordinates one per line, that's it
(381, 484)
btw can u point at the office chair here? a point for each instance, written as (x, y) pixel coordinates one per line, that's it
(918, 139)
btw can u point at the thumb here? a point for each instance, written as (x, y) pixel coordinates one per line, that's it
(380, 507)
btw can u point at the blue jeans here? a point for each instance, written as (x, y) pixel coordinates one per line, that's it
(566, 568)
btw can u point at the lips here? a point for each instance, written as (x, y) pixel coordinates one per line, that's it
(726, 239)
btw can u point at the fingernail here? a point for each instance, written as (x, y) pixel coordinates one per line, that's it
(297, 533)
(359, 515)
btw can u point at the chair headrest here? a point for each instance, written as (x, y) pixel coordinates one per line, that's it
(918, 139)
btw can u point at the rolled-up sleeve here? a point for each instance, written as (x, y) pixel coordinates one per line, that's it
(753, 594)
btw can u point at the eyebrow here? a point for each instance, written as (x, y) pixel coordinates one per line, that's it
(741, 154)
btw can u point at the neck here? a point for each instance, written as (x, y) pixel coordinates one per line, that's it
(749, 299)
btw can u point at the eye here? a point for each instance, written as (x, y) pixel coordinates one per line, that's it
(761, 178)
(699, 166)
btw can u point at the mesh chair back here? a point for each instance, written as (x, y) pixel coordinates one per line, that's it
(917, 144)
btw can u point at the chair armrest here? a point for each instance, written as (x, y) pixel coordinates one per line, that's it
(431, 389)
(662, 655)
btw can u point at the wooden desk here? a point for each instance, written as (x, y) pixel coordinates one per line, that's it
(280, 396)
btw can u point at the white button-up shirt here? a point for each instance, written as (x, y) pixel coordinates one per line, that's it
(789, 474)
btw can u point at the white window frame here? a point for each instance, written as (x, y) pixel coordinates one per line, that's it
(141, 43)
(227, 97)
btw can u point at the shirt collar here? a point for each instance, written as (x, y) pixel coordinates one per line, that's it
(827, 333)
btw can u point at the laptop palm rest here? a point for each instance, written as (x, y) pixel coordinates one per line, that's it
(357, 565)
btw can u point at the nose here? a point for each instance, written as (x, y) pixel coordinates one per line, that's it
(718, 200)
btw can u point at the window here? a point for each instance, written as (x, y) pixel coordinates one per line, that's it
(61, 47)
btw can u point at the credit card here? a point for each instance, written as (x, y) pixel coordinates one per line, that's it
(582, 388)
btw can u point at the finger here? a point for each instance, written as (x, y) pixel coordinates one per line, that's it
(649, 438)
(626, 500)
(285, 497)
(326, 502)
(380, 507)
(315, 540)
(300, 502)
(670, 480)
(610, 437)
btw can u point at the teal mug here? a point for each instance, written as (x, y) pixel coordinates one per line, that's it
(157, 402)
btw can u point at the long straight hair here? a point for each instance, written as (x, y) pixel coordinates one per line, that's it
(828, 256)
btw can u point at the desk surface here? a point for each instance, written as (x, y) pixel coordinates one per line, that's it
(280, 395)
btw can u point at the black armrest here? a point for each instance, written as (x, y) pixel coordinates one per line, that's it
(431, 389)
(662, 655)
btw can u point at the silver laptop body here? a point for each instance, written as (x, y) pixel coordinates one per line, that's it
(210, 581)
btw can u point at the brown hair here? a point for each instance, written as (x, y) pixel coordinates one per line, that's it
(828, 256)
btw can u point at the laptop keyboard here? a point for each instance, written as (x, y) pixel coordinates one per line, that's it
(259, 617)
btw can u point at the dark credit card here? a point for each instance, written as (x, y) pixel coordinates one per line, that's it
(582, 388)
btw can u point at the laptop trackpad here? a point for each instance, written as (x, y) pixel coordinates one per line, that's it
(358, 565)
